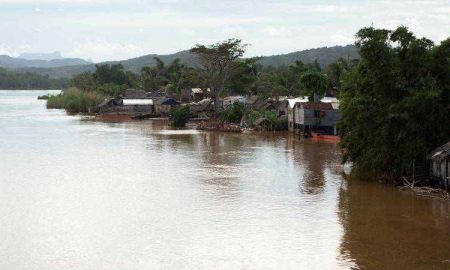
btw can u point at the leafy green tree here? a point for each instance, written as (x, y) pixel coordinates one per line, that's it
(84, 81)
(394, 103)
(269, 85)
(337, 71)
(216, 61)
(243, 76)
(315, 83)
(150, 79)
(112, 74)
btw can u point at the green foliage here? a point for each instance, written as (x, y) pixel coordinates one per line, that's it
(217, 61)
(336, 71)
(243, 76)
(107, 80)
(324, 56)
(171, 78)
(75, 101)
(24, 81)
(111, 89)
(179, 116)
(84, 81)
(395, 103)
(315, 83)
(273, 123)
(113, 74)
(234, 113)
(283, 80)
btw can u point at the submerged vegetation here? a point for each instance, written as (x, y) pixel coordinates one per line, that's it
(179, 116)
(395, 102)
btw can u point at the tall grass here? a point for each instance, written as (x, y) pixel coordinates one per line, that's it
(74, 100)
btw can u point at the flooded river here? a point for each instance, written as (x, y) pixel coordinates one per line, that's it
(83, 194)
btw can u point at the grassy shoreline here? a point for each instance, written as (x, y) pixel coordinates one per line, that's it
(74, 100)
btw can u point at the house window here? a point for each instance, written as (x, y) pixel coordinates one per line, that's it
(316, 113)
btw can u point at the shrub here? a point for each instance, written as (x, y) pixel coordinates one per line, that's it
(74, 100)
(275, 123)
(179, 116)
(233, 113)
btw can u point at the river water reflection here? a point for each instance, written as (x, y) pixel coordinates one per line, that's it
(82, 194)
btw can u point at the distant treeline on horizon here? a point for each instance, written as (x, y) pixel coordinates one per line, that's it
(24, 74)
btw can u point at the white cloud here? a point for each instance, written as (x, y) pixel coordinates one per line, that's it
(282, 31)
(100, 50)
(118, 29)
(58, 2)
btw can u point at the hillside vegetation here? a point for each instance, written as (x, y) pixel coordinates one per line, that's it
(18, 63)
(323, 56)
(28, 81)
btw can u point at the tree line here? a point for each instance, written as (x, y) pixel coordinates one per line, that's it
(29, 81)
(395, 102)
(221, 68)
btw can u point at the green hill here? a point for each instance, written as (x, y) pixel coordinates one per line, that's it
(324, 56)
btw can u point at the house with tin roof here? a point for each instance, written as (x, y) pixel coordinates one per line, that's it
(440, 164)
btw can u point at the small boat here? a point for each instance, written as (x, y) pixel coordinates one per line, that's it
(325, 137)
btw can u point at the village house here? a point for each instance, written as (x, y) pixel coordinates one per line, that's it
(192, 95)
(156, 94)
(290, 111)
(317, 117)
(120, 105)
(306, 116)
(164, 105)
(197, 94)
(228, 101)
(282, 109)
(132, 102)
(202, 109)
(259, 104)
(139, 105)
(440, 164)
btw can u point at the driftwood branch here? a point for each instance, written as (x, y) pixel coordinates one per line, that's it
(428, 192)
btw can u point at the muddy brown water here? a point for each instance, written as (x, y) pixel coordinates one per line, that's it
(82, 194)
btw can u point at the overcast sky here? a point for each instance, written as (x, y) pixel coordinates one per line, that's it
(121, 29)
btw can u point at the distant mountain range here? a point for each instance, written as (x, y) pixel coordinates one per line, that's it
(68, 68)
(18, 63)
(41, 56)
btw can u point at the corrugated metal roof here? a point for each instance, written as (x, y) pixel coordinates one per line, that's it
(137, 102)
(317, 106)
(197, 91)
(329, 100)
(440, 152)
(293, 101)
